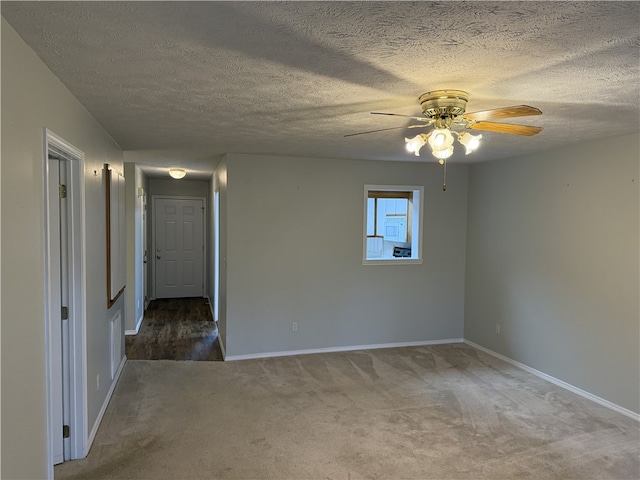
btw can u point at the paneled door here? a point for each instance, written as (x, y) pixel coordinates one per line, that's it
(179, 247)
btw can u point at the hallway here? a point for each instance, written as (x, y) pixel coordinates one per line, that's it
(176, 329)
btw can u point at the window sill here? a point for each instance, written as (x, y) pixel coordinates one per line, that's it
(393, 261)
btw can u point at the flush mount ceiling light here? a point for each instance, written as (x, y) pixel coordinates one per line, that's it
(444, 110)
(177, 173)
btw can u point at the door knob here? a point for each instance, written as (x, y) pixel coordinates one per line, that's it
(158, 257)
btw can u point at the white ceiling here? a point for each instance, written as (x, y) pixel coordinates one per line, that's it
(181, 83)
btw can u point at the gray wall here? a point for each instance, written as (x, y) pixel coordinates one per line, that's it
(552, 256)
(33, 98)
(183, 187)
(294, 253)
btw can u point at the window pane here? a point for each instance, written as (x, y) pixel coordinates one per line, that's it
(392, 224)
(371, 208)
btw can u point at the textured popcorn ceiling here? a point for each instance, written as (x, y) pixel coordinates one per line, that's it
(181, 83)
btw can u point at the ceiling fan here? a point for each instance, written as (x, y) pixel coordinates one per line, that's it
(444, 109)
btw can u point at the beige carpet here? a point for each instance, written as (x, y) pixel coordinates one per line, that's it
(440, 412)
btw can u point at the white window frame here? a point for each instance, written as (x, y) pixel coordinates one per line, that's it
(416, 226)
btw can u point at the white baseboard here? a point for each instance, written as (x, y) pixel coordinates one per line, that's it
(138, 324)
(105, 404)
(583, 393)
(349, 348)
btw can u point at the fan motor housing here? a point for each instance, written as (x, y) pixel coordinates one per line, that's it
(444, 103)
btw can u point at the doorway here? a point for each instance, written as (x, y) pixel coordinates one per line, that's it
(65, 299)
(178, 247)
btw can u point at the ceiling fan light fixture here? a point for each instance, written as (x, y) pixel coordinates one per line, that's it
(443, 154)
(440, 139)
(414, 144)
(441, 143)
(470, 142)
(446, 109)
(177, 173)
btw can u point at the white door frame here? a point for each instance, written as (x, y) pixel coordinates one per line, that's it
(216, 255)
(144, 219)
(152, 256)
(77, 300)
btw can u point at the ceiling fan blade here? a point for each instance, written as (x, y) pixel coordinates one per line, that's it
(422, 119)
(504, 112)
(386, 129)
(506, 128)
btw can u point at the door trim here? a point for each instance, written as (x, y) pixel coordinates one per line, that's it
(77, 298)
(153, 239)
(216, 255)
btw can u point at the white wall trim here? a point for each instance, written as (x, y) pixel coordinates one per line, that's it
(105, 404)
(349, 348)
(137, 329)
(589, 396)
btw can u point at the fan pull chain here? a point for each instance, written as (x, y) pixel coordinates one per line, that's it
(444, 176)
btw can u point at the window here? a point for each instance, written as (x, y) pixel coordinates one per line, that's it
(392, 224)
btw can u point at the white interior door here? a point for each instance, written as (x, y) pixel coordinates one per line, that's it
(59, 306)
(179, 247)
(55, 306)
(65, 258)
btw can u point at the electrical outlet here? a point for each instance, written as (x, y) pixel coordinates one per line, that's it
(497, 329)
(294, 326)
(98, 382)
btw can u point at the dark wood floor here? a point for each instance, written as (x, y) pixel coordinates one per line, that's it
(176, 329)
